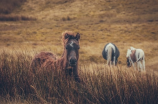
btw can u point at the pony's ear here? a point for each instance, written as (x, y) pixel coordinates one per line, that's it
(77, 36)
(66, 35)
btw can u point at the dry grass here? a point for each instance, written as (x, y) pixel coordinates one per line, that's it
(15, 18)
(123, 22)
(102, 84)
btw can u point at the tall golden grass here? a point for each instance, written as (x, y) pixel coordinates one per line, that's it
(102, 84)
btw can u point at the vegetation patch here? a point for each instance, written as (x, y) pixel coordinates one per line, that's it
(8, 6)
(125, 23)
(101, 83)
(15, 18)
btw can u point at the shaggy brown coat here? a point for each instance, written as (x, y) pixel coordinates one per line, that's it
(47, 60)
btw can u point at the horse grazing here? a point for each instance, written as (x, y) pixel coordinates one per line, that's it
(110, 53)
(135, 56)
(68, 63)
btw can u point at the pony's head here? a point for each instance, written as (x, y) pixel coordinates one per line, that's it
(128, 58)
(72, 48)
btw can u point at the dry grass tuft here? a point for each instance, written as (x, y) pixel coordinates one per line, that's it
(66, 18)
(15, 18)
(123, 22)
(102, 84)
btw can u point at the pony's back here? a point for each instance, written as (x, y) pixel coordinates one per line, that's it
(115, 50)
(41, 60)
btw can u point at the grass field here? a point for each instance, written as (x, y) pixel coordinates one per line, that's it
(30, 26)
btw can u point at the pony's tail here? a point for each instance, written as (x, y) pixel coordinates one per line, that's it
(109, 55)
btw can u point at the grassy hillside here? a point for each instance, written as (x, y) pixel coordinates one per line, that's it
(8, 6)
(124, 22)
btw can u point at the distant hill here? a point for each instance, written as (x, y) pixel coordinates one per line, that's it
(123, 22)
(113, 10)
(107, 9)
(8, 6)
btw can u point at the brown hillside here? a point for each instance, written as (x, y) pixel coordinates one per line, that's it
(123, 22)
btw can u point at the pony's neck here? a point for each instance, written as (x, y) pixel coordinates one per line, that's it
(64, 59)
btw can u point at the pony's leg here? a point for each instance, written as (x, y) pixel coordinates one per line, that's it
(140, 65)
(137, 65)
(143, 64)
(133, 65)
(107, 62)
(114, 61)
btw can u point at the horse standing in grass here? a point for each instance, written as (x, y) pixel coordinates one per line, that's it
(67, 63)
(110, 53)
(136, 56)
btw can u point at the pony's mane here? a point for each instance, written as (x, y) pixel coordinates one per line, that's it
(70, 33)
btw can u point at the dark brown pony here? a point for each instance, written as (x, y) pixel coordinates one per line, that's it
(68, 62)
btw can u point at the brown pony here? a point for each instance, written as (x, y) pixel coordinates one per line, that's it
(68, 61)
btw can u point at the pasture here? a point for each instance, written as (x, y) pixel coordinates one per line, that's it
(32, 26)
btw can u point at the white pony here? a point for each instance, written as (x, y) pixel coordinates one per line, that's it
(136, 56)
(111, 53)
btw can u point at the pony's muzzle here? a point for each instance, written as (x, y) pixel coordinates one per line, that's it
(73, 61)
